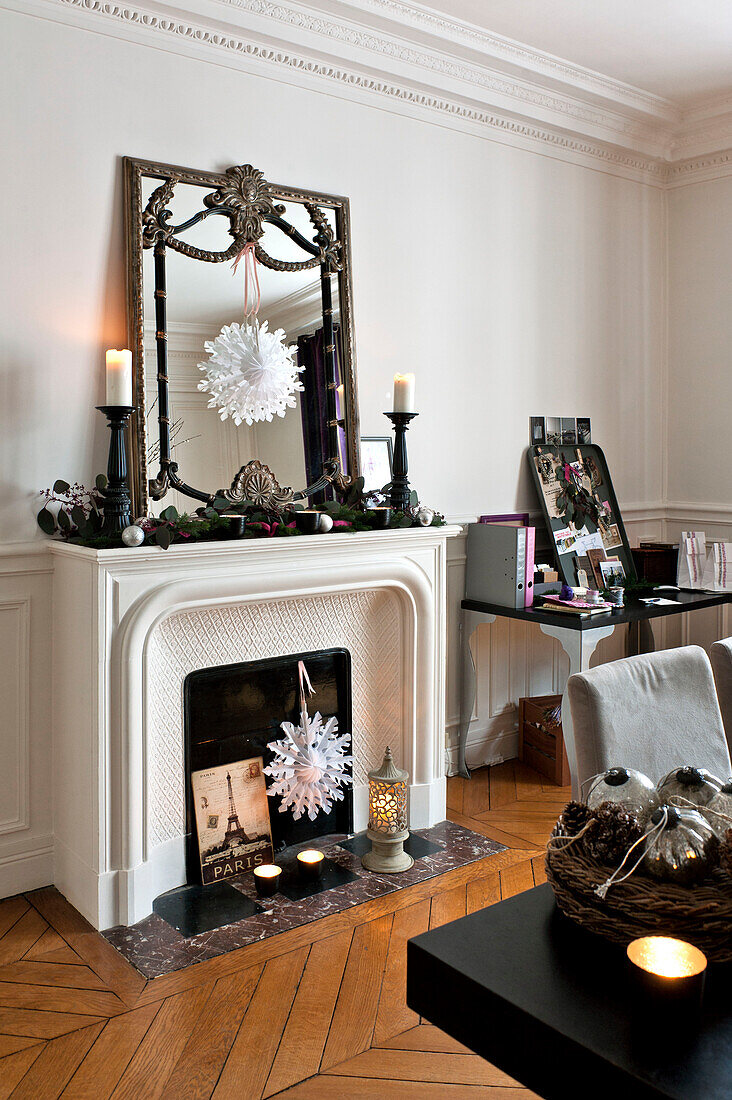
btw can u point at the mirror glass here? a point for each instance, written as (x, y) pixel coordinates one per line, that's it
(203, 297)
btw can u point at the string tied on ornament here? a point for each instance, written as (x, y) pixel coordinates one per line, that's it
(561, 843)
(251, 273)
(649, 844)
(251, 373)
(705, 811)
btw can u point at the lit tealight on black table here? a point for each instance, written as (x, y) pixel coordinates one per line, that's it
(557, 1008)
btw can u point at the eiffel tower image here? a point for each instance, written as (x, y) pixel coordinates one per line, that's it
(234, 833)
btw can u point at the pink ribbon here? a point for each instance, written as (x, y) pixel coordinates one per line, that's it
(250, 271)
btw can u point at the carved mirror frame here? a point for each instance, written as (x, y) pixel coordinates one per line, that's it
(247, 200)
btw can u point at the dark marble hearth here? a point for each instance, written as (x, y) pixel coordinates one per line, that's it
(155, 947)
(195, 909)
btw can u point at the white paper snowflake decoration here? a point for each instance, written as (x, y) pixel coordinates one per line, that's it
(310, 762)
(251, 372)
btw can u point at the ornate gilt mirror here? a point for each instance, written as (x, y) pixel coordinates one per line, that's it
(186, 230)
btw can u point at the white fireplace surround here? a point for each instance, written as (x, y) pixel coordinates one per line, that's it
(129, 625)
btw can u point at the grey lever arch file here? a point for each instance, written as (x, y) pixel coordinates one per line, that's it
(496, 564)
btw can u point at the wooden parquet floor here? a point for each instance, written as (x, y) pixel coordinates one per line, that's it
(318, 1011)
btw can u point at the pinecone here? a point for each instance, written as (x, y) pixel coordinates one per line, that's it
(617, 830)
(725, 852)
(573, 819)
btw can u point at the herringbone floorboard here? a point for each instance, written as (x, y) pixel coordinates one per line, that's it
(317, 1012)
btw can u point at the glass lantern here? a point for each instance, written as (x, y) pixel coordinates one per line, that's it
(388, 827)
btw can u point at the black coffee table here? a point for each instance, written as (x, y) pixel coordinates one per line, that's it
(557, 1009)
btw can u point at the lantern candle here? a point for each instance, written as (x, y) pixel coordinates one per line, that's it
(267, 879)
(119, 378)
(403, 393)
(388, 827)
(310, 863)
(669, 970)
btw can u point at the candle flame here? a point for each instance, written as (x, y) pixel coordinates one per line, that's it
(269, 870)
(667, 957)
(310, 856)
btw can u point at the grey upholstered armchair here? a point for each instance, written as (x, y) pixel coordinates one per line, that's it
(721, 655)
(653, 712)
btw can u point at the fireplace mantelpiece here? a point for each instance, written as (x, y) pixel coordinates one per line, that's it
(130, 624)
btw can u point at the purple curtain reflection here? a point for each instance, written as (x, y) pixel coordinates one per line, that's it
(314, 409)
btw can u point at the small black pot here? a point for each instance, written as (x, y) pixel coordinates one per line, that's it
(308, 523)
(382, 517)
(237, 526)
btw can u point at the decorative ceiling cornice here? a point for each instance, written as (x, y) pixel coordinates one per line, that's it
(512, 52)
(456, 76)
(698, 169)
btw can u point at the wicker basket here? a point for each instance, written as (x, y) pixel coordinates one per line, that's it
(642, 906)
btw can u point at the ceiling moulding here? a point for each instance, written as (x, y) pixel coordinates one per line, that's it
(706, 127)
(422, 24)
(699, 169)
(453, 84)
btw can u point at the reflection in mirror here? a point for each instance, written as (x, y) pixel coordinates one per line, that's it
(200, 299)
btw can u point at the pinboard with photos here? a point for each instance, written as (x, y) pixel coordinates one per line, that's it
(582, 515)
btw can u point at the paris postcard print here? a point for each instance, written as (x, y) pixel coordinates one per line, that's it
(232, 819)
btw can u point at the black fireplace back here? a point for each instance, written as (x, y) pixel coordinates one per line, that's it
(233, 712)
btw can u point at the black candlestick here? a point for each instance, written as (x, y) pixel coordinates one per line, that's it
(117, 503)
(399, 493)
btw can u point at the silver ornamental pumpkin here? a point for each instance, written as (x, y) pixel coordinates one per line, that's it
(719, 810)
(624, 787)
(694, 784)
(684, 851)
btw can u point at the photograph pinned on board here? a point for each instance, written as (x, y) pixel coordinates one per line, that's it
(565, 540)
(609, 532)
(584, 430)
(568, 430)
(537, 431)
(612, 573)
(554, 431)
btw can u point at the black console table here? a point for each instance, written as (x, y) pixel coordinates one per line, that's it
(578, 638)
(557, 1008)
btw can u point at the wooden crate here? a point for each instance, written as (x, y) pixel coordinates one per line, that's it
(540, 746)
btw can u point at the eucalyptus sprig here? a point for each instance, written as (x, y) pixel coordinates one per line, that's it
(79, 512)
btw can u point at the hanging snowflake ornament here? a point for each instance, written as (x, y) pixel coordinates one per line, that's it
(310, 762)
(251, 373)
(310, 766)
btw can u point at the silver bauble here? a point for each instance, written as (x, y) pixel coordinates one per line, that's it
(425, 517)
(133, 535)
(685, 851)
(325, 524)
(720, 804)
(694, 784)
(624, 787)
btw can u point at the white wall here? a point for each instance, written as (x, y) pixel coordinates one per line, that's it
(511, 281)
(700, 349)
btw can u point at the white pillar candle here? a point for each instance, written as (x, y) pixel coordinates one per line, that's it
(119, 377)
(403, 393)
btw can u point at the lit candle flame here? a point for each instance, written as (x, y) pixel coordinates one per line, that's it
(667, 957)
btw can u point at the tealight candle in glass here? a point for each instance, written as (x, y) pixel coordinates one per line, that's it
(307, 521)
(267, 880)
(670, 971)
(310, 863)
(382, 516)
